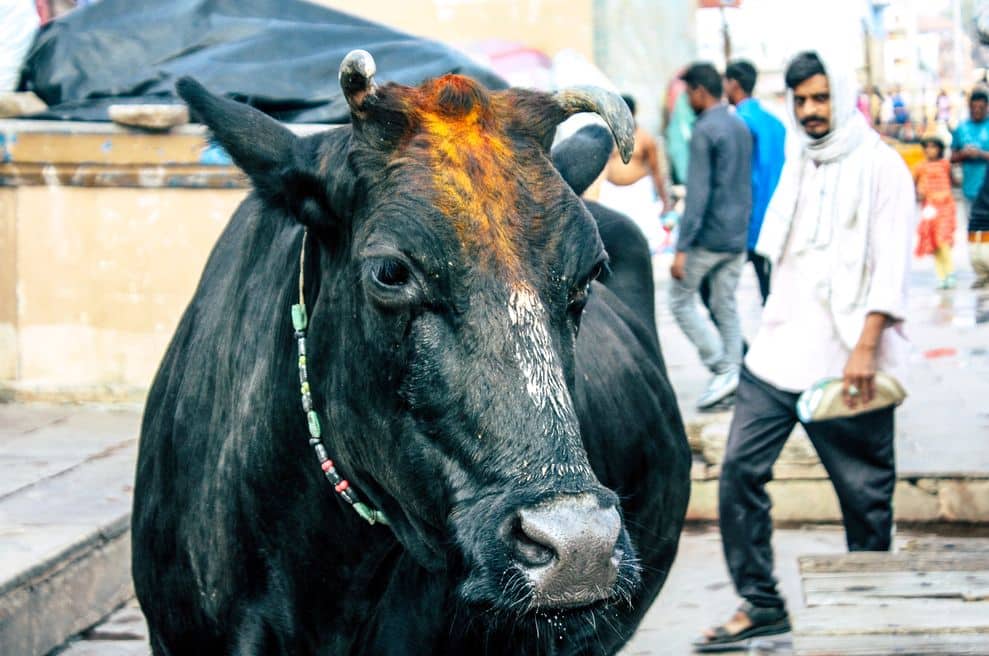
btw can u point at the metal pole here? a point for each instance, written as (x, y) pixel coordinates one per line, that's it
(725, 35)
(956, 17)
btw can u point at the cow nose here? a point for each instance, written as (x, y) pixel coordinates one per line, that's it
(568, 549)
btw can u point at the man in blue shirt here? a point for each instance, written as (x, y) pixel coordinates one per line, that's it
(768, 137)
(970, 145)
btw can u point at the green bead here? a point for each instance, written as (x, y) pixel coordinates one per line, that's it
(369, 515)
(305, 388)
(302, 361)
(314, 428)
(299, 320)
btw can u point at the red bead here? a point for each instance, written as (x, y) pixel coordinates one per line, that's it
(327, 465)
(342, 485)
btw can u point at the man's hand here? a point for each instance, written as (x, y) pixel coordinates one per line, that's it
(971, 152)
(859, 377)
(667, 205)
(679, 262)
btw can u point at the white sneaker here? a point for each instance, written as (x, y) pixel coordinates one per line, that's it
(720, 386)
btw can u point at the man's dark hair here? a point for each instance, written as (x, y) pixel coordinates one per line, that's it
(803, 66)
(979, 94)
(703, 75)
(936, 141)
(630, 101)
(743, 72)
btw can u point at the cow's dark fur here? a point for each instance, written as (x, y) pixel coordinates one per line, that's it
(240, 546)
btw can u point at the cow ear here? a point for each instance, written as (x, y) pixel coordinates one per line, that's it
(581, 157)
(268, 152)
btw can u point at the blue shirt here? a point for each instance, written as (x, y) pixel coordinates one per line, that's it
(970, 133)
(768, 138)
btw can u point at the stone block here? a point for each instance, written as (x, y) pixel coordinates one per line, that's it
(150, 117)
(797, 453)
(703, 504)
(964, 500)
(793, 501)
(700, 471)
(916, 502)
(696, 425)
(804, 501)
(20, 104)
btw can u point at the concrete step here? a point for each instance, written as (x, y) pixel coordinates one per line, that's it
(124, 633)
(926, 490)
(66, 476)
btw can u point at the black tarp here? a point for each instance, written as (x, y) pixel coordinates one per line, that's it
(281, 56)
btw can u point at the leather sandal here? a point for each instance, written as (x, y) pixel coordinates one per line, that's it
(766, 621)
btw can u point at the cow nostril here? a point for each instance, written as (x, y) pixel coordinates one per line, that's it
(528, 550)
(569, 548)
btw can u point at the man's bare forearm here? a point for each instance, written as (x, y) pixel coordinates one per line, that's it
(875, 323)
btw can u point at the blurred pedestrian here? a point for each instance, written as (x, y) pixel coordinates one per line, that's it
(768, 138)
(634, 188)
(713, 231)
(679, 125)
(838, 230)
(970, 144)
(942, 108)
(901, 113)
(978, 236)
(936, 230)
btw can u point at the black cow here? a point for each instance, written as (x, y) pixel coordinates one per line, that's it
(533, 482)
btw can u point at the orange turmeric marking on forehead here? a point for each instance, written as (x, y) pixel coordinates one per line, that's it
(472, 165)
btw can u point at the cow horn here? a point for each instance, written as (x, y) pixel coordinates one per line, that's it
(357, 78)
(609, 106)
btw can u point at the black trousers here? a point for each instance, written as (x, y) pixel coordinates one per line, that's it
(856, 451)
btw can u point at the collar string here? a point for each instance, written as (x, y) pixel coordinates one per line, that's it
(300, 322)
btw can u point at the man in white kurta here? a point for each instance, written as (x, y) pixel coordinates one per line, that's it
(839, 232)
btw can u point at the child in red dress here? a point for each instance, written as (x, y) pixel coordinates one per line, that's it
(936, 229)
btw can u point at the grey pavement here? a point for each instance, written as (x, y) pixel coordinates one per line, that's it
(943, 427)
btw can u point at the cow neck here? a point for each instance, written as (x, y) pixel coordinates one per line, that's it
(300, 322)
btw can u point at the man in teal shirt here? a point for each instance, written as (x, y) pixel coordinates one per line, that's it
(970, 145)
(768, 137)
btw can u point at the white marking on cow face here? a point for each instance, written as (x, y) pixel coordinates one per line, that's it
(538, 361)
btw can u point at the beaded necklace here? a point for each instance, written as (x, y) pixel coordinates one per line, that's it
(300, 322)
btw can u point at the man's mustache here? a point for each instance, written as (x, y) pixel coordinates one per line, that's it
(811, 119)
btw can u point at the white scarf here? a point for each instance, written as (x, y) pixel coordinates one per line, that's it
(845, 156)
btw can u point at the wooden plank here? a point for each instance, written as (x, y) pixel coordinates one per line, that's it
(946, 545)
(878, 561)
(914, 618)
(880, 645)
(830, 589)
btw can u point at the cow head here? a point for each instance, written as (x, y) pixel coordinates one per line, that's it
(447, 270)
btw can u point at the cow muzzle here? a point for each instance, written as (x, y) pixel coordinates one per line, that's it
(568, 549)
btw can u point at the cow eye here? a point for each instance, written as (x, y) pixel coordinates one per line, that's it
(580, 293)
(390, 272)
